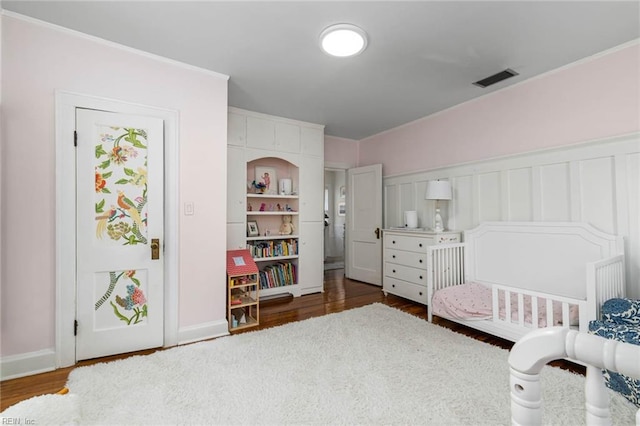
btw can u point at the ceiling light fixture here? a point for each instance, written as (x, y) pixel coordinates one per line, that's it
(343, 40)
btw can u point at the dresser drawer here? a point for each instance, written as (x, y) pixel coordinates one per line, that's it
(404, 289)
(408, 258)
(407, 242)
(406, 273)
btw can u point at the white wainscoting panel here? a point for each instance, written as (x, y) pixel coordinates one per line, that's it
(519, 195)
(408, 200)
(391, 205)
(630, 216)
(489, 201)
(596, 182)
(554, 189)
(597, 190)
(461, 212)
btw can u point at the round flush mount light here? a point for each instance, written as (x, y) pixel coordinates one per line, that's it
(343, 40)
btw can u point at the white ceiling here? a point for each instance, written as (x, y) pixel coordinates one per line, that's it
(422, 57)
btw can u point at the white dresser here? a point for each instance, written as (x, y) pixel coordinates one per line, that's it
(405, 261)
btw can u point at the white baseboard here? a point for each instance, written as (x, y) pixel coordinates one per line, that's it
(204, 331)
(27, 364)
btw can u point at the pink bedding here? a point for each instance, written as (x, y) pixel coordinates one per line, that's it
(472, 301)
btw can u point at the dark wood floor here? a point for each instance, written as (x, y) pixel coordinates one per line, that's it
(340, 294)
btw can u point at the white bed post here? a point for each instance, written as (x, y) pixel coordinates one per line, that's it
(537, 348)
(526, 399)
(526, 360)
(596, 397)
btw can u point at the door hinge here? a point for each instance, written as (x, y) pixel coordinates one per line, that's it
(75, 138)
(75, 327)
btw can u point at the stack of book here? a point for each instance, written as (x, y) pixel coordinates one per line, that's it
(274, 248)
(278, 275)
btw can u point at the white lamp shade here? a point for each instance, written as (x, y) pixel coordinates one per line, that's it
(438, 190)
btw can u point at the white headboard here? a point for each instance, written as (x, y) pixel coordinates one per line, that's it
(549, 257)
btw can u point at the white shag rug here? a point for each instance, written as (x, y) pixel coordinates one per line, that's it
(370, 365)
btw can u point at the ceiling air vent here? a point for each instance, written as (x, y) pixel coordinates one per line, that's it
(496, 78)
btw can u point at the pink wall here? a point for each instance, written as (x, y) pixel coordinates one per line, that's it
(593, 99)
(37, 60)
(340, 150)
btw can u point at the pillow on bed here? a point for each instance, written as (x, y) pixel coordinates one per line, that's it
(621, 311)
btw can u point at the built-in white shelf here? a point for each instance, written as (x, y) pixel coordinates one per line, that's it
(269, 213)
(272, 237)
(266, 259)
(281, 197)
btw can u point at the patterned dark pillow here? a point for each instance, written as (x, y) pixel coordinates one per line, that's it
(621, 311)
(623, 332)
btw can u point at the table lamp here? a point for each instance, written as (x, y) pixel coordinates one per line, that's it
(438, 190)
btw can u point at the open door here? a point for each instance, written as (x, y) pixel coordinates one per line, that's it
(363, 252)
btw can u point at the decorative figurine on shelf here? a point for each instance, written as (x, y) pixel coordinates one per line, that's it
(287, 227)
(249, 207)
(262, 207)
(288, 208)
(279, 207)
(270, 207)
(260, 186)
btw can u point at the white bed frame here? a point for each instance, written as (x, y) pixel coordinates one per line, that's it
(569, 262)
(540, 347)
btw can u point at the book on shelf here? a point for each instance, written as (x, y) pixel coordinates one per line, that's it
(278, 275)
(273, 248)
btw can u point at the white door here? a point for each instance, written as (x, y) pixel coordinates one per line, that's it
(119, 217)
(363, 253)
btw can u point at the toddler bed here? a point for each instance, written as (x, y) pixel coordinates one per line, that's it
(508, 278)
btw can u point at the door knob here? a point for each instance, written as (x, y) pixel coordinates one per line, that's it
(155, 249)
(377, 232)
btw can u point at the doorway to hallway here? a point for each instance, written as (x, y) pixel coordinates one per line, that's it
(334, 218)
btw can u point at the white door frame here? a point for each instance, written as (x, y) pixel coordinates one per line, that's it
(65, 108)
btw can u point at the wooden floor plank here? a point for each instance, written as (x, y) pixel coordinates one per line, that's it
(340, 294)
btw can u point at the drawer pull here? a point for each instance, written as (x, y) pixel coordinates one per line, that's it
(393, 242)
(420, 276)
(394, 271)
(420, 245)
(420, 260)
(393, 285)
(420, 293)
(394, 256)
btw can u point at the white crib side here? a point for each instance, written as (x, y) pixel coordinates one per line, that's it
(529, 301)
(605, 280)
(445, 268)
(541, 346)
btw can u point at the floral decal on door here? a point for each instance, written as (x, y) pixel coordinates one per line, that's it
(125, 295)
(121, 186)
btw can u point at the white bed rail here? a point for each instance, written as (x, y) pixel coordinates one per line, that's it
(445, 268)
(552, 308)
(541, 346)
(605, 279)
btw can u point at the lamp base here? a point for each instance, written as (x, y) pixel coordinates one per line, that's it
(437, 222)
